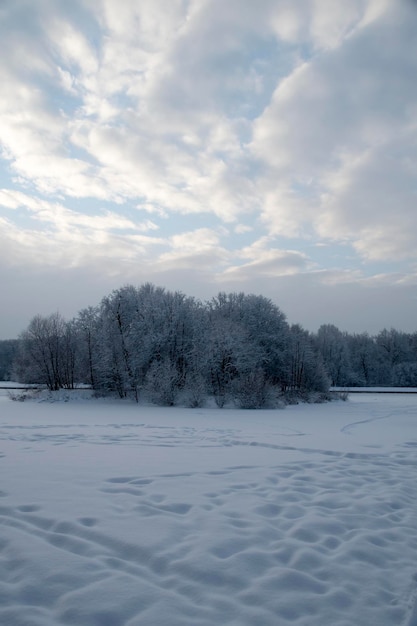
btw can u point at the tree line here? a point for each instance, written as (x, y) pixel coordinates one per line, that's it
(351, 360)
(148, 342)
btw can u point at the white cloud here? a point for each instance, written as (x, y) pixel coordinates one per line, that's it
(74, 247)
(144, 122)
(339, 142)
(323, 23)
(197, 250)
(66, 238)
(70, 45)
(371, 200)
(265, 260)
(240, 229)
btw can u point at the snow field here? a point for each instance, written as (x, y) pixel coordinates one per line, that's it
(114, 514)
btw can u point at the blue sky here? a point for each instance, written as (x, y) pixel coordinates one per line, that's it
(266, 147)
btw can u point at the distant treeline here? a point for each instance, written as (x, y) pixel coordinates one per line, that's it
(8, 351)
(167, 348)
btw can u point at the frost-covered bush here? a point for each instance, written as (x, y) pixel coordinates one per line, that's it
(253, 391)
(162, 383)
(17, 395)
(195, 392)
(404, 375)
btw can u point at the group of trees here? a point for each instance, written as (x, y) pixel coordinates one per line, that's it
(167, 347)
(386, 359)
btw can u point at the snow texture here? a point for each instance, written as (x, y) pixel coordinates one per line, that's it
(114, 514)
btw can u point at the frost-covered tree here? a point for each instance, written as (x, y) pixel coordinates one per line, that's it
(115, 370)
(171, 331)
(332, 344)
(8, 351)
(48, 352)
(395, 348)
(143, 331)
(230, 354)
(69, 350)
(306, 372)
(365, 360)
(404, 375)
(394, 345)
(265, 327)
(87, 325)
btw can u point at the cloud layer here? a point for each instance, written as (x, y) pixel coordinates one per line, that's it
(209, 144)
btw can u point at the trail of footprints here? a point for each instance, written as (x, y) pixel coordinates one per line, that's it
(299, 533)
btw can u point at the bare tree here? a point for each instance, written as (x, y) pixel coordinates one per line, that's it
(47, 352)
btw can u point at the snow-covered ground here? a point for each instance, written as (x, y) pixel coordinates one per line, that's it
(115, 514)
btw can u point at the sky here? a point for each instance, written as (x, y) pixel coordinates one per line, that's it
(267, 147)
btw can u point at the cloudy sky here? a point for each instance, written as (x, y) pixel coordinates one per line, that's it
(263, 146)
